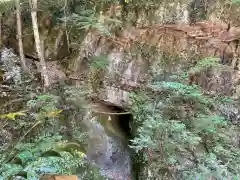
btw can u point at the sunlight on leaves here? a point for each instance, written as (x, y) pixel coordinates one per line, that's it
(12, 116)
(54, 113)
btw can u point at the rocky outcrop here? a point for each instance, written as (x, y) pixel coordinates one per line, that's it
(128, 65)
(153, 45)
(163, 38)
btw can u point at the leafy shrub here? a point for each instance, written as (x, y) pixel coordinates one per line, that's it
(181, 137)
(89, 19)
(205, 64)
(48, 155)
(99, 62)
(42, 147)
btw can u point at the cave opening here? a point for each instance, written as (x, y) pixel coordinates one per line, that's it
(124, 121)
(122, 118)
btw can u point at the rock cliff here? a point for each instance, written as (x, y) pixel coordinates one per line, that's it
(155, 39)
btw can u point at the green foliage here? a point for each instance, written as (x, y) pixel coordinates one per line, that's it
(205, 64)
(169, 59)
(177, 129)
(182, 92)
(46, 114)
(88, 19)
(181, 137)
(235, 1)
(6, 6)
(40, 157)
(144, 4)
(45, 106)
(45, 102)
(99, 62)
(47, 150)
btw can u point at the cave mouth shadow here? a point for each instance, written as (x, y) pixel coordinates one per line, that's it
(123, 121)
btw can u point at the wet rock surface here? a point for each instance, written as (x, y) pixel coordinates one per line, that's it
(108, 152)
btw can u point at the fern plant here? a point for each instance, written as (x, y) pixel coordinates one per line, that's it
(89, 19)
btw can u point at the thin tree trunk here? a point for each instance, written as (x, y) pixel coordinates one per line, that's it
(65, 22)
(33, 5)
(19, 36)
(1, 35)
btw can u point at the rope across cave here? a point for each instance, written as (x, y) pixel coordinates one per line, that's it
(112, 113)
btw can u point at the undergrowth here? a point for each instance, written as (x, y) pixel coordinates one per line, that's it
(205, 64)
(180, 136)
(50, 141)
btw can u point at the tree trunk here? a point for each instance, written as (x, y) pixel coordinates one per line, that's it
(33, 5)
(1, 35)
(19, 36)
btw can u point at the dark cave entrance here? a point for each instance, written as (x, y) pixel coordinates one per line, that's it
(124, 121)
(122, 117)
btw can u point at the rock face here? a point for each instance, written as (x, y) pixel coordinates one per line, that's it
(165, 37)
(182, 43)
(107, 148)
(151, 47)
